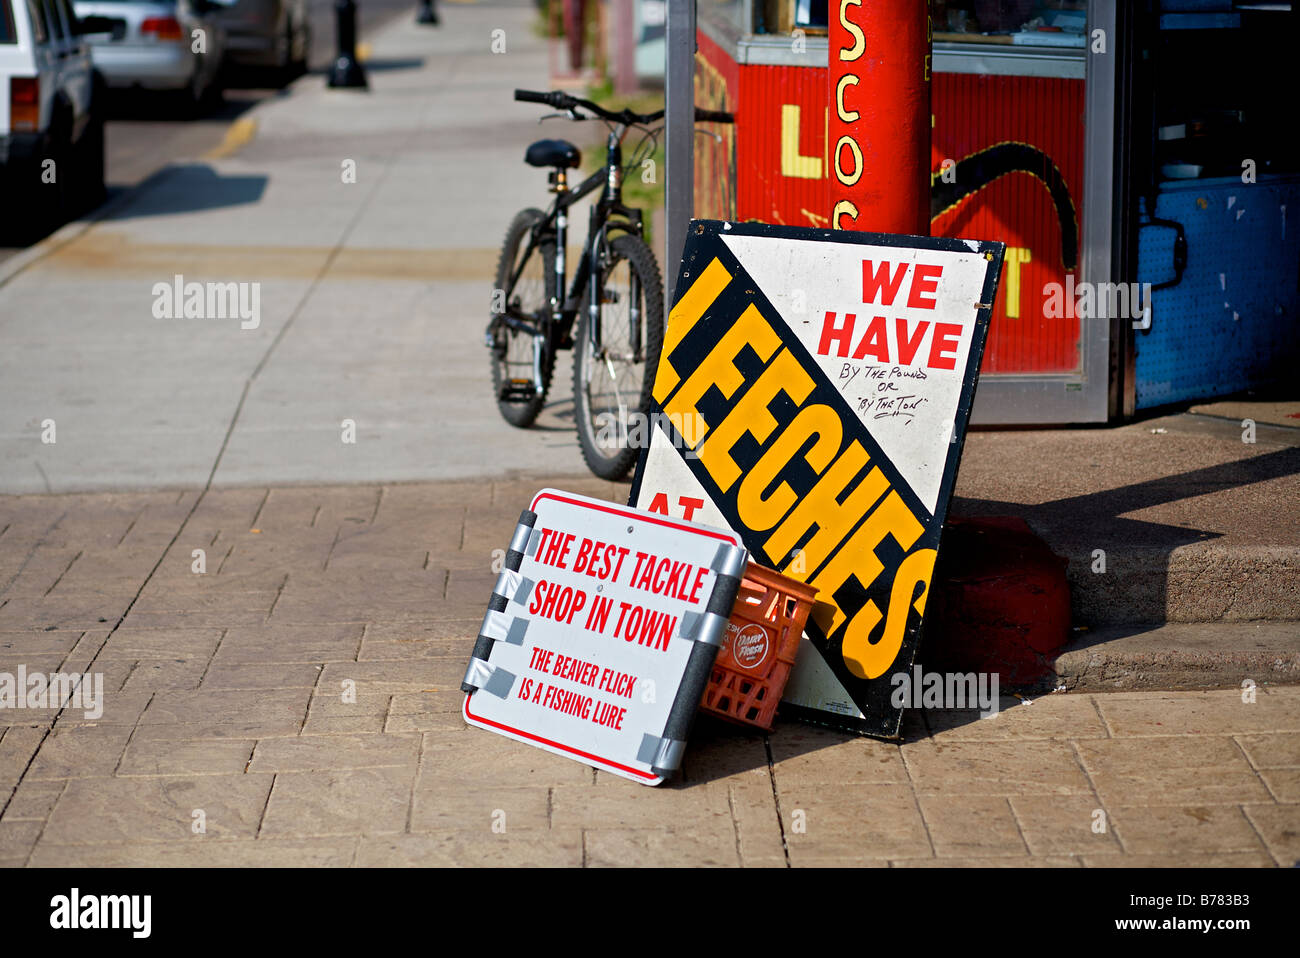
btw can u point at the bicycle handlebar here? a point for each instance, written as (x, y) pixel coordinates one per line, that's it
(563, 101)
(713, 116)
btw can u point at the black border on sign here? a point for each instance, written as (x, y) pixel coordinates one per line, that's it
(571, 751)
(879, 721)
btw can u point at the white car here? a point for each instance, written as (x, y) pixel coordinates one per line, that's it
(51, 117)
(175, 45)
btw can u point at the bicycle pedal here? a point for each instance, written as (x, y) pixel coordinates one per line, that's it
(517, 390)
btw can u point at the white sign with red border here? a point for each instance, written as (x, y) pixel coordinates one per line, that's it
(601, 633)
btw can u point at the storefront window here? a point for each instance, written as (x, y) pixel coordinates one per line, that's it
(1050, 23)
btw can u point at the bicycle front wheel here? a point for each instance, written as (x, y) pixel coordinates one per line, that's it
(614, 362)
(514, 351)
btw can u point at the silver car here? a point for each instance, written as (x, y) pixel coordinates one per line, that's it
(268, 33)
(157, 45)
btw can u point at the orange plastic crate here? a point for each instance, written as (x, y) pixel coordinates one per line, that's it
(762, 640)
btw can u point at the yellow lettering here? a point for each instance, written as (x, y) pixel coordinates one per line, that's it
(843, 207)
(848, 180)
(858, 557)
(1015, 258)
(847, 116)
(758, 513)
(707, 287)
(719, 368)
(868, 661)
(793, 163)
(849, 54)
(750, 415)
(822, 508)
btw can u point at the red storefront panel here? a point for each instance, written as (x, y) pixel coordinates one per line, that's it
(1017, 148)
(1018, 145)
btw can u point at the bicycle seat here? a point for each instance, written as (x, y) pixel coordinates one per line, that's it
(553, 153)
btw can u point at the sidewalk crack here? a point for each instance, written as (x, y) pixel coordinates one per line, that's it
(40, 540)
(735, 826)
(260, 506)
(278, 592)
(916, 800)
(65, 571)
(261, 821)
(128, 529)
(776, 798)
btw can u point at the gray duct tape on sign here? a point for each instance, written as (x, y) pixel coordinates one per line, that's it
(730, 560)
(512, 586)
(509, 585)
(500, 627)
(664, 755)
(491, 679)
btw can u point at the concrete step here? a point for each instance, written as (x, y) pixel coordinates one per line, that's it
(1180, 656)
(1173, 519)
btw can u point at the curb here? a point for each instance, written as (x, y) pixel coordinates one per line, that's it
(1180, 656)
(242, 131)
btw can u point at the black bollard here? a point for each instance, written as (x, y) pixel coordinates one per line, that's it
(347, 71)
(427, 13)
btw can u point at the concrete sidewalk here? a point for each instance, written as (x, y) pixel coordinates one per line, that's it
(373, 294)
(224, 705)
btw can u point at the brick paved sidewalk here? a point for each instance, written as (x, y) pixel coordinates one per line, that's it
(224, 705)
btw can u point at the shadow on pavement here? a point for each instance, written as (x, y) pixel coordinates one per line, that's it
(1075, 524)
(147, 106)
(189, 187)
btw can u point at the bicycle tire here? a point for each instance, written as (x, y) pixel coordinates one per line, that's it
(512, 350)
(604, 422)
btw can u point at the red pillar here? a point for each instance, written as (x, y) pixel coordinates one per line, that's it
(879, 120)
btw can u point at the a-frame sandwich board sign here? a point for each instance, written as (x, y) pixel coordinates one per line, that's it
(813, 395)
(601, 633)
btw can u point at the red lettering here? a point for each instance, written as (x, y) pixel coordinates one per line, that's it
(556, 550)
(689, 505)
(659, 503)
(622, 554)
(548, 604)
(943, 348)
(836, 334)
(925, 279)
(874, 285)
(660, 571)
(584, 550)
(907, 347)
(699, 580)
(564, 550)
(579, 600)
(874, 342)
(538, 592)
(541, 543)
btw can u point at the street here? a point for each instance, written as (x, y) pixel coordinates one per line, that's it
(143, 134)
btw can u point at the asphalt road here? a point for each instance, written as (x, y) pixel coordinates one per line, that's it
(144, 132)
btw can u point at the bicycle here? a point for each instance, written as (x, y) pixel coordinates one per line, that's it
(616, 297)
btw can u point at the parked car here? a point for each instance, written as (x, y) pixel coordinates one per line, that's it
(51, 117)
(174, 45)
(267, 33)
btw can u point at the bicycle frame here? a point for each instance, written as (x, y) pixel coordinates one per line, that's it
(608, 214)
